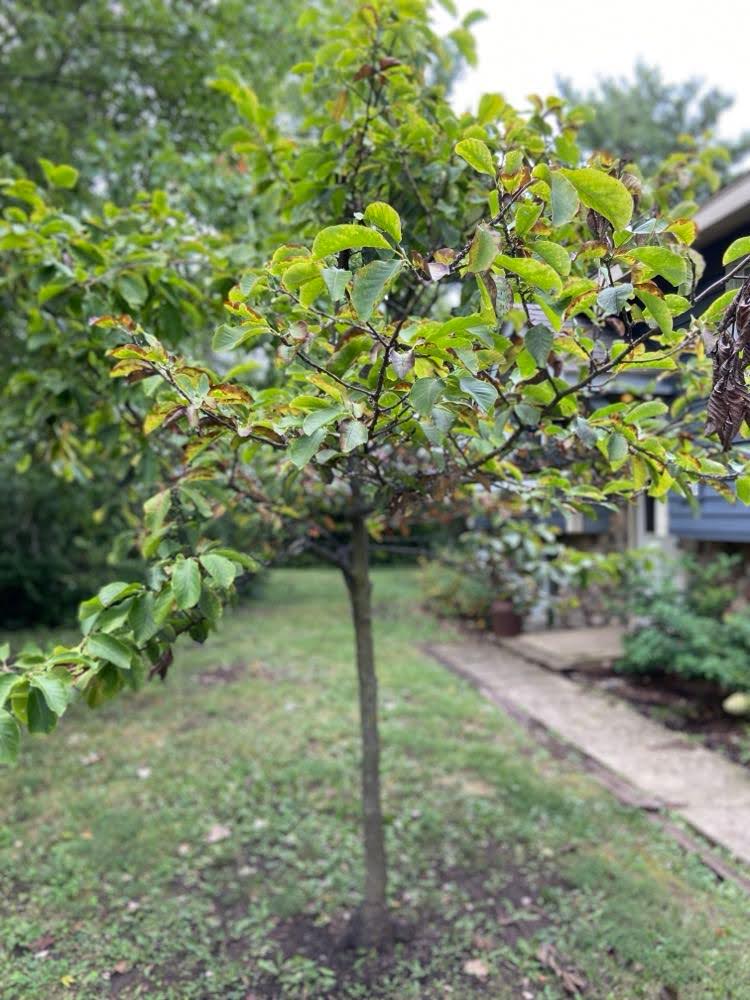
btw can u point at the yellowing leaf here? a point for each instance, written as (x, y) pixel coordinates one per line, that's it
(534, 272)
(382, 215)
(739, 248)
(334, 239)
(477, 155)
(606, 195)
(554, 255)
(668, 264)
(658, 310)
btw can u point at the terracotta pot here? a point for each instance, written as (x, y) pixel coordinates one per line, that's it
(505, 621)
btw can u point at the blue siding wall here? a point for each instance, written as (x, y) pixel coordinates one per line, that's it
(716, 521)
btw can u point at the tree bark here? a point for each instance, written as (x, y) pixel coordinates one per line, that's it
(373, 925)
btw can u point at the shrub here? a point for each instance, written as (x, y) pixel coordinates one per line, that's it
(687, 630)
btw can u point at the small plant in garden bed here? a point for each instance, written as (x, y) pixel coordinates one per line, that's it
(689, 631)
(520, 560)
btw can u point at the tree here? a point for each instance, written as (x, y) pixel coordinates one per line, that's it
(646, 119)
(398, 310)
(113, 87)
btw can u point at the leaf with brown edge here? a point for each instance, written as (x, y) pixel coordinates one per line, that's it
(483, 250)
(229, 392)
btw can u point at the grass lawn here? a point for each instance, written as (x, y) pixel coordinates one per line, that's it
(200, 838)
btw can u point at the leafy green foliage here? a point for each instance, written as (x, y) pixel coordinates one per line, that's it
(404, 371)
(284, 738)
(120, 89)
(689, 631)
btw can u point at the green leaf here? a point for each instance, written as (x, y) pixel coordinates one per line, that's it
(606, 195)
(658, 310)
(528, 415)
(219, 568)
(227, 337)
(141, 618)
(533, 272)
(6, 683)
(665, 262)
(483, 249)
(336, 279)
(613, 299)
(424, 394)
(644, 411)
(133, 289)
(483, 394)
(526, 215)
(10, 738)
(743, 489)
(617, 450)
(525, 363)
(564, 200)
(320, 418)
(4, 651)
(477, 154)
(538, 341)
(380, 214)
(115, 591)
(54, 690)
(186, 583)
(369, 285)
(353, 434)
(108, 648)
(555, 255)
(302, 449)
(41, 717)
(60, 175)
(739, 248)
(717, 307)
(334, 239)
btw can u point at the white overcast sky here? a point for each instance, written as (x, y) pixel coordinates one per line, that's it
(525, 44)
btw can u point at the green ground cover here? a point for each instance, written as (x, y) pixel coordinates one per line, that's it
(200, 839)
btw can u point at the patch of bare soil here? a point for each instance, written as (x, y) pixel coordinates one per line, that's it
(504, 913)
(223, 675)
(690, 708)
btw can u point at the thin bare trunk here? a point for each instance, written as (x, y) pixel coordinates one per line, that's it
(374, 921)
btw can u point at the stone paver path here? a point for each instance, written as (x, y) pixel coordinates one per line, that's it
(707, 790)
(566, 649)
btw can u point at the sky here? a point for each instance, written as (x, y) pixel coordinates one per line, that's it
(524, 45)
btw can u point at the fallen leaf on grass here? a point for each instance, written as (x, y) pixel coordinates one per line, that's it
(217, 833)
(43, 943)
(91, 758)
(121, 967)
(483, 942)
(475, 967)
(572, 981)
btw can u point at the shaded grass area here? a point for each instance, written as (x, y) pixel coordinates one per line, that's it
(200, 838)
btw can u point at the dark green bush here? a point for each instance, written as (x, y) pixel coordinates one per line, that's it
(688, 630)
(54, 548)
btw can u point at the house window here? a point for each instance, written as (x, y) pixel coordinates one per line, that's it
(649, 515)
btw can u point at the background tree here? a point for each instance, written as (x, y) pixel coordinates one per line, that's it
(115, 87)
(647, 119)
(416, 247)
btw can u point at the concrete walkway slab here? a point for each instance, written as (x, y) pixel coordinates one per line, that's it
(709, 792)
(566, 649)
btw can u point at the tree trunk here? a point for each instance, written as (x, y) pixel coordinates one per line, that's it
(372, 926)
